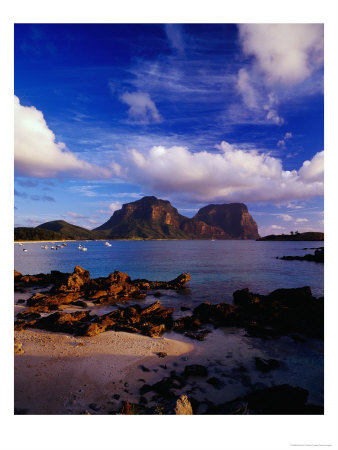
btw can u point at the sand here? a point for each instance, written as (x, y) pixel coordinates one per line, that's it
(62, 374)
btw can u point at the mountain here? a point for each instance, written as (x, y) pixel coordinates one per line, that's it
(147, 218)
(308, 236)
(233, 218)
(152, 218)
(67, 230)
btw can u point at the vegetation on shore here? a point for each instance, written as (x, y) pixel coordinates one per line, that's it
(294, 236)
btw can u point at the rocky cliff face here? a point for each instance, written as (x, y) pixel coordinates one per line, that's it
(147, 218)
(151, 218)
(234, 219)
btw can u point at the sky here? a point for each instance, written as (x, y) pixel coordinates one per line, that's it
(192, 113)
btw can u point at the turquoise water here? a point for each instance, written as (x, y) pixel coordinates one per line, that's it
(217, 268)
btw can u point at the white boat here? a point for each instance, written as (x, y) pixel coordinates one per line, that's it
(24, 250)
(20, 243)
(53, 248)
(83, 249)
(108, 244)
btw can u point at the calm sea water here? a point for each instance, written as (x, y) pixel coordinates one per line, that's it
(217, 268)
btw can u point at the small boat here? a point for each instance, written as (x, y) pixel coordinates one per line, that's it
(45, 247)
(108, 244)
(83, 249)
(80, 247)
(25, 250)
(20, 243)
(53, 248)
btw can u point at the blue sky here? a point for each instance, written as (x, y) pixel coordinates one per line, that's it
(196, 114)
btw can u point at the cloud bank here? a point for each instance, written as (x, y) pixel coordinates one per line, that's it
(37, 154)
(228, 176)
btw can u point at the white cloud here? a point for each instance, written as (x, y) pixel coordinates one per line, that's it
(114, 206)
(230, 175)
(282, 142)
(271, 108)
(277, 227)
(285, 217)
(301, 220)
(38, 154)
(313, 170)
(246, 89)
(285, 53)
(141, 107)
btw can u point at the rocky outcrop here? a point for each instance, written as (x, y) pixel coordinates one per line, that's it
(234, 219)
(281, 312)
(69, 288)
(318, 256)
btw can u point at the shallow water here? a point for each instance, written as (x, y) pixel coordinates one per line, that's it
(217, 268)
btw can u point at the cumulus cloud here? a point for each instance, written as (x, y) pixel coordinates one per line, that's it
(38, 154)
(141, 107)
(285, 53)
(312, 171)
(230, 175)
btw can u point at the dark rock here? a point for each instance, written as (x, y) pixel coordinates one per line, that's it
(265, 365)
(20, 301)
(80, 303)
(215, 382)
(29, 314)
(143, 368)
(64, 322)
(195, 370)
(116, 396)
(161, 354)
(235, 407)
(94, 407)
(198, 335)
(185, 308)
(281, 399)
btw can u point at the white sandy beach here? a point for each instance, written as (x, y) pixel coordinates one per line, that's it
(61, 374)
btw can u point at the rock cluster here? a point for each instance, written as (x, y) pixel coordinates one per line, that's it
(318, 256)
(267, 316)
(67, 288)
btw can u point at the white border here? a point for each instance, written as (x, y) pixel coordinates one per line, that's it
(185, 432)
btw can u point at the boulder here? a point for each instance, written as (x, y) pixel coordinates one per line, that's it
(280, 399)
(195, 370)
